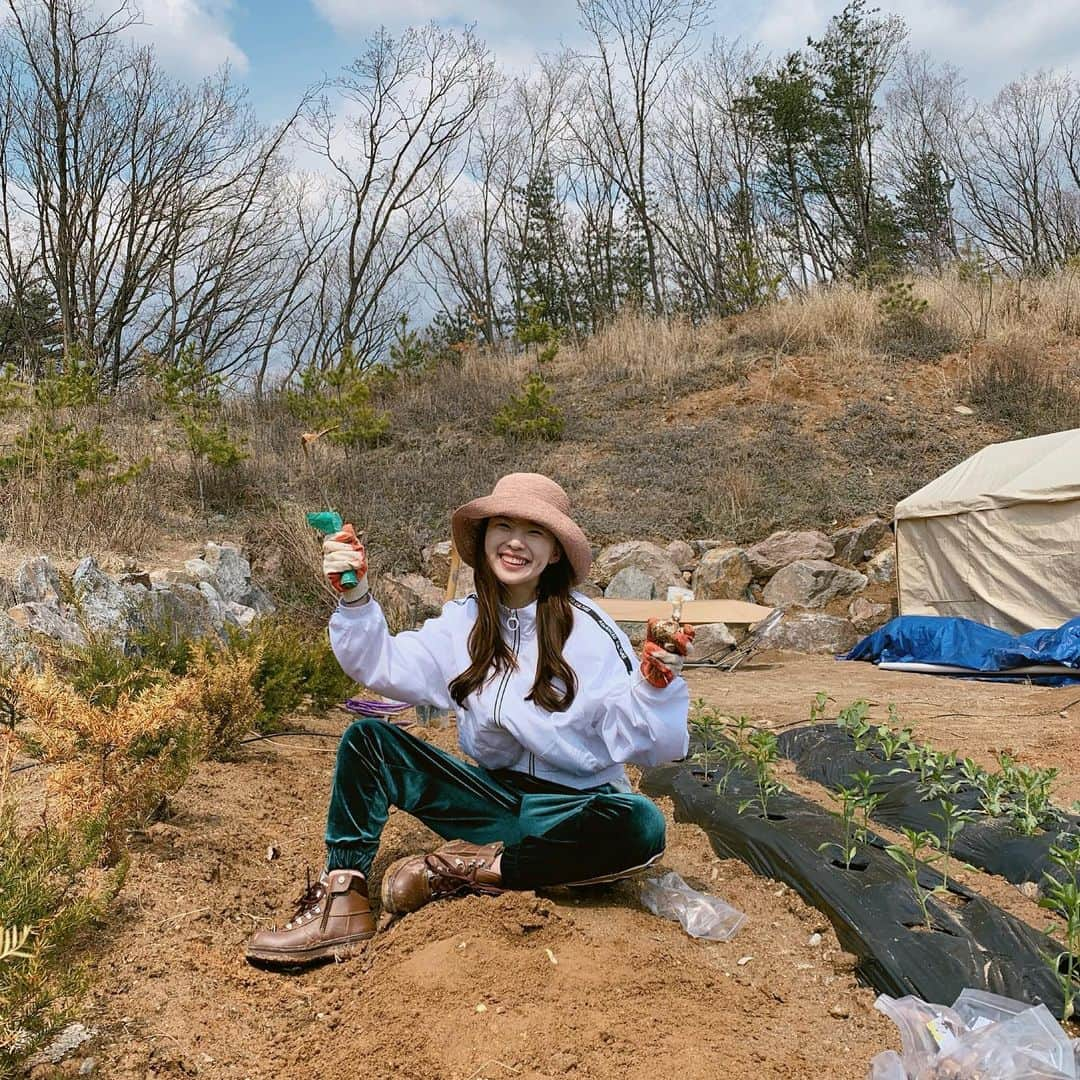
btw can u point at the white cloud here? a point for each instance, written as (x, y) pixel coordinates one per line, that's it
(191, 37)
(990, 43)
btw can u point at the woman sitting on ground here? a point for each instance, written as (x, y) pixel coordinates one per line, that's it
(549, 701)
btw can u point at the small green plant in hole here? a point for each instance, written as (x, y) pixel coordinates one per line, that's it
(853, 720)
(706, 725)
(993, 794)
(760, 754)
(953, 818)
(1061, 893)
(848, 798)
(817, 707)
(867, 801)
(892, 743)
(910, 857)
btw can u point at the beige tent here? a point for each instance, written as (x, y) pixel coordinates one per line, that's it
(996, 539)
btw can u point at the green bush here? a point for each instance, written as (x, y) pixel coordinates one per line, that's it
(907, 329)
(531, 414)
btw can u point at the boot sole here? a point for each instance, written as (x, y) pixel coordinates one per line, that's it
(339, 950)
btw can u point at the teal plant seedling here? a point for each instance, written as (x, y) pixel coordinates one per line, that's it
(1061, 893)
(907, 856)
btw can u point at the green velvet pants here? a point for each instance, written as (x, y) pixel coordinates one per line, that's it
(553, 834)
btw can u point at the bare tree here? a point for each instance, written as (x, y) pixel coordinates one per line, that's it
(409, 106)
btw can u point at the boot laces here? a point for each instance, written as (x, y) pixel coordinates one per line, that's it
(446, 880)
(311, 897)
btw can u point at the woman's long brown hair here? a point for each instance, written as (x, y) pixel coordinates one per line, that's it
(491, 655)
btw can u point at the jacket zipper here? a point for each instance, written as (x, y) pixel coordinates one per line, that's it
(506, 675)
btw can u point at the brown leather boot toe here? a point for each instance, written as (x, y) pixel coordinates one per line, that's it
(332, 917)
(456, 869)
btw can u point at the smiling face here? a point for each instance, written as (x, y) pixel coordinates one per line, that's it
(518, 551)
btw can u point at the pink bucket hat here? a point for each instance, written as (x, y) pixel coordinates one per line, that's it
(524, 495)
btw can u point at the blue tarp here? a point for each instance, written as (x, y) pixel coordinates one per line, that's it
(963, 643)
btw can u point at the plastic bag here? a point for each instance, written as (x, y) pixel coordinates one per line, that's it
(983, 1035)
(701, 915)
(888, 1065)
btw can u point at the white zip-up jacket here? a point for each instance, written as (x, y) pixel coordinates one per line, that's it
(616, 716)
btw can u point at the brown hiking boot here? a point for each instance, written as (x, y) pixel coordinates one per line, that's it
(332, 917)
(456, 869)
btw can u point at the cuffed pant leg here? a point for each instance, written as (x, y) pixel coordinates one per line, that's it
(379, 765)
(572, 838)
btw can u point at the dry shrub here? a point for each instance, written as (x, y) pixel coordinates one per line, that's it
(1014, 384)
(636, 351)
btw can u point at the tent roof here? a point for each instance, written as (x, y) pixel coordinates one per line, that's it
(1043, 469)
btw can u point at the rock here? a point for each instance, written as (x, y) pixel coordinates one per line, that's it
(699, 547)
(16, 649)
(466, 582)
(722, 574)
(258, 598)
(245, 616)
(682, 554)
(7, 594)
(811, 583)
(102, 602)
(37, 582)
(783, 548)
(590, 589)
(881, 569)
(198, 570)
(435, 562)
(47, 620)
(231, 571)
(867, 615)
(181, 610)
(139, 577)
(840, 1011)
(269, 560)
(635, 631)
(711, 641)
(220, 613)
(631, 583)
(647, 557)
(963, 410)
(858, 542)
(178, 577)
(811, 632)
(409, 599)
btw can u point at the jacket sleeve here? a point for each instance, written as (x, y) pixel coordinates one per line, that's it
(405, 666)
(644, 725)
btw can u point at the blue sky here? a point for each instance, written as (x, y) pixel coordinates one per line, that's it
(278, 47)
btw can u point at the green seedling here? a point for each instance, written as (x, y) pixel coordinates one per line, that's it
(908, 857)
(760, 754)
(972, 773)
(817, 707)
(848, 798)
(993, 794)
(706, 725)
(853, 720)
(1029, 790)
(866, 801)
(893, 744)
(953, 818)
(1062, 894)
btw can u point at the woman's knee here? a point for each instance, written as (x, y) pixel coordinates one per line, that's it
(362, 734)
(643, 827)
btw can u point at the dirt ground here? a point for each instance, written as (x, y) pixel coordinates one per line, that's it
(567, 984)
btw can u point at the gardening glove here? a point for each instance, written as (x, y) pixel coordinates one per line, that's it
(667, 644)
(341, 552)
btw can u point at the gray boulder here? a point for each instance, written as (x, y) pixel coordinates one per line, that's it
(244, 616)
(699, 547)
(102, 602)
(231, 571)
(218, 607)
(630, 583)
(712, 641)
(16, 647)
(867, 615)
(858, 542)
(881, 569)
(590, 589)
(647, 557)
(409, 599)
(37, 582)
(435, 562)
(811, 632)
(36, 617)
(466, 582)
(181, 609)
(195, 570)
(7, 594)
(811, 583)
(258, 599)
(682, 554)
(786, 547)
(722, 574)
